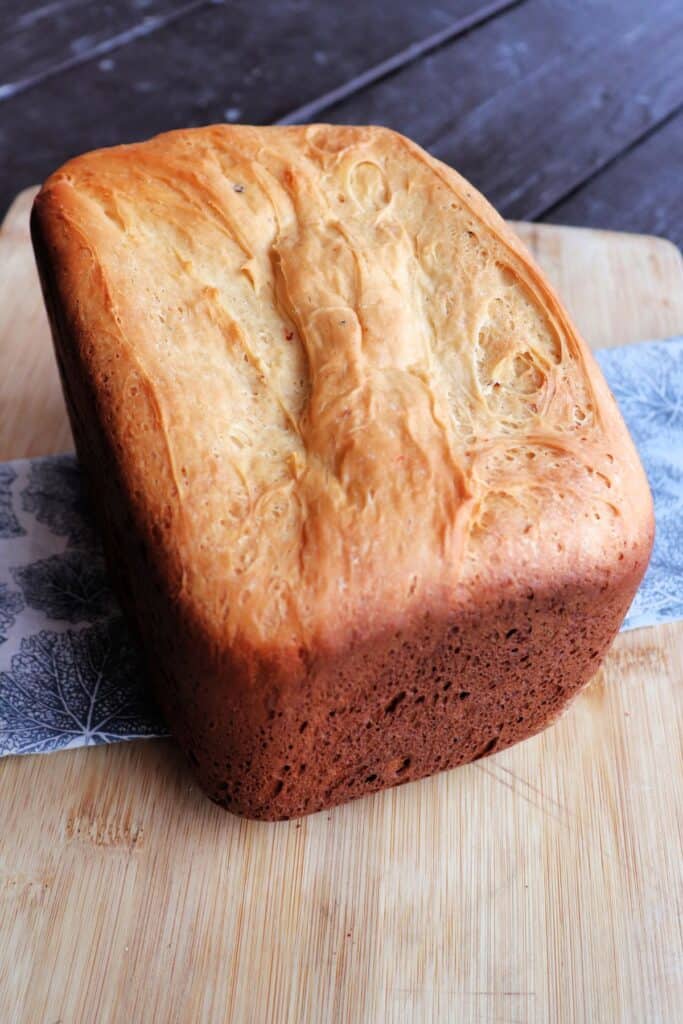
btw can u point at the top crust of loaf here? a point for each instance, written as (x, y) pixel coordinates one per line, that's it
(337, 388)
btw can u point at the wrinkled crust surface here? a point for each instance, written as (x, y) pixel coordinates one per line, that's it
(339, 383)
(321, 390)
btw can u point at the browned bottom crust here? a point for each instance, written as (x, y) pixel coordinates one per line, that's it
(408, 707)
(272, 744)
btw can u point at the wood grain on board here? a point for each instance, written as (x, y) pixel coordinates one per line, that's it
(542, 884)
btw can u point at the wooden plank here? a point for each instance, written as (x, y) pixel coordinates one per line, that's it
(539, 885)
(236, 61)
(488, 93)
(644, 186)
(36, 38)
(535, 102)
(312, 110)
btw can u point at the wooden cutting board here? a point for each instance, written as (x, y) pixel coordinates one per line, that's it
(543, 884)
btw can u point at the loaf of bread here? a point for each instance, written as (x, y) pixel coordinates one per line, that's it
(365, 495)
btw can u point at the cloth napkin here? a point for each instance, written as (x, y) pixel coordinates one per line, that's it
(70, 673)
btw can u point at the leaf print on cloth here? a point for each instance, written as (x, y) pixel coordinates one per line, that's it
(651, 400)
(74, 689)
(72, 587)
(666, 483)
(647, 381)
(10, 606)
(9, 524)
(56, 496)
(660, 596)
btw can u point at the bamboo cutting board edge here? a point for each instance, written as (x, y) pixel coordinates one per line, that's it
(541, 884)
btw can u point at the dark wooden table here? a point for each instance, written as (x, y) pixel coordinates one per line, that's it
(568, 111)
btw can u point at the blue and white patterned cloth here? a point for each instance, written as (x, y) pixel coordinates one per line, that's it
(70, 674)
(647, 382)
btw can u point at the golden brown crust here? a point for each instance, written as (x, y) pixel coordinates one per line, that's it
(334, 401)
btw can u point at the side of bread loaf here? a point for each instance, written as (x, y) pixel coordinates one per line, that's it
(366, 497)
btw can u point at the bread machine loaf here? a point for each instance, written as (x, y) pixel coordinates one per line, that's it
(365, 495)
